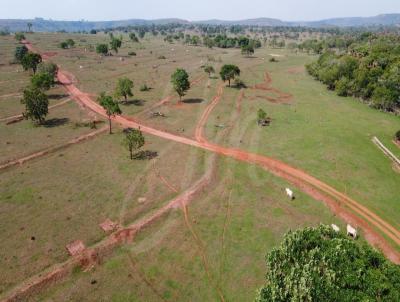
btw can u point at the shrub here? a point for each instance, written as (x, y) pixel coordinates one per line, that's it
(273, 60)
(161, 57)
(131, 53)
(144, 87)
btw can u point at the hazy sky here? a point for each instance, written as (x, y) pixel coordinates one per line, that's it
(194, 10)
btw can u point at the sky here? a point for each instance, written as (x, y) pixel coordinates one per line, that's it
(287, 10)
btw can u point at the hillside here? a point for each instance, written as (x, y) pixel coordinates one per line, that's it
(42, 25)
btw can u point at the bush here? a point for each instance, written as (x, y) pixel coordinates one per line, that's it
(64, 45)
(238, 83)
(144, 87)
(273, 60)
(48, 67)
(131, 53)
(161, 57)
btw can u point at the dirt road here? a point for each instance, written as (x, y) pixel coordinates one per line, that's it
(337, 201)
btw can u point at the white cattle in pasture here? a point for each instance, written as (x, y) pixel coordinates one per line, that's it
(351, 231)
(289, 193)
(335, 228)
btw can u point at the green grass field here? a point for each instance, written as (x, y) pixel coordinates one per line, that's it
(237, 218)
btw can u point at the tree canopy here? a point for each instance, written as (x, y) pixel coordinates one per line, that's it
(369, 68)
(110, 106)
(123, 88)
(209, 69)
(20, 52)
(36, 104)
(102, 49)
(229, 72)
(31, 61)
(19, 36)
(318, 264)
(180, 82)
(115, 44)
(133, 140)
(42, 81)
(48, 67)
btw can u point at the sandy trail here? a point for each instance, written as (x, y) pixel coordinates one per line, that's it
(278, 168)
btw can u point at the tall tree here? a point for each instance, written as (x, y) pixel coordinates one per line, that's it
(133, 37)
(115, 44)
(48, 67)
(20, 52)
(36, 105)
(124, 88)
(133, 140)
(110, 106)
(29, 26)
(31, 61)
(180, 82)
(319, 264)
(229, 72)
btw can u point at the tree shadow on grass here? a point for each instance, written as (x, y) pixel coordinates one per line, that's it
(57, 96)
(145, 155)
(55, 122)
(193, 101)
(133, 102)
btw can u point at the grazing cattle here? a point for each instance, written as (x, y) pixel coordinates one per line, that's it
(335, 228)
(351, 231)
(289, 193)
(80, 67)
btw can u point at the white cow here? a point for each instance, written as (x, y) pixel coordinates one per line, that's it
(351, 231)
(80, 67)
(335, 228)
(289, 193)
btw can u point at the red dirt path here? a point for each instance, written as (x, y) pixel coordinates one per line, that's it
(304, 181)
(310, 185)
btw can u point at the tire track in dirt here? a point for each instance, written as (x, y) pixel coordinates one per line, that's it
(276, 167)
(50, 150)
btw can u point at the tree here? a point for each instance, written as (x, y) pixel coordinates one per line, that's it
(397, 136)
(180, 82)
(29, 24)
(64, 45)
(19, 36)
(42, 81)
(133, 37)
(247, 50)
(115, 44)
(31, 61)
(229, 72)
(261, 115)
(209, 69)
(142, 33)
(318, 264)
(36, 104)
(133, 140)
(124, 88)
(70, 43)
(102, 49)
(110, 106)
(20, 52)
(48, 67)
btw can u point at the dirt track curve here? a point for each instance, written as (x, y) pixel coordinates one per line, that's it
(336, 200)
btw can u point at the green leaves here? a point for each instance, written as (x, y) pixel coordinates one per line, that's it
(31, 61)
(133, 140)
(229, 72)
(110, 106)
(36, 104)
(318, 264)
(180, 82)
(124, 88)
(42, 81)
(102, 49)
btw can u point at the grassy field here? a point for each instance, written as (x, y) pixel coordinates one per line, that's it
(232, 223)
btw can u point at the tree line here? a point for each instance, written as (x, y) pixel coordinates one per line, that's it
(366, 67)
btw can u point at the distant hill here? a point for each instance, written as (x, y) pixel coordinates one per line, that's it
(40, 24)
